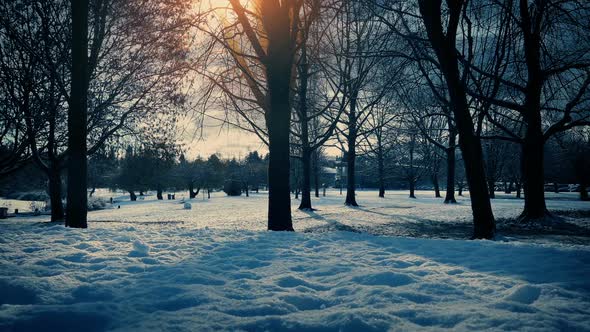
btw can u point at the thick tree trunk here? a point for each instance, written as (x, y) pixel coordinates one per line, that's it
(55, 195)
(412, 184)
(532, 146)
(445, 49)
(77, 162)
(532, 170)
(278, 119)
(304, 122)
(450, 190)
(191, 191)
(132, 196)
(350, 184)
(483, 218)
(381, 191)
(460, 190)
(159, 193)
(351, 154)
(556, 187)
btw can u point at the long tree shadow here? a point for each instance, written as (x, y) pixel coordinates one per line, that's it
(331, 224)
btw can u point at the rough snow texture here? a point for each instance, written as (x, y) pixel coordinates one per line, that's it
(145, 274)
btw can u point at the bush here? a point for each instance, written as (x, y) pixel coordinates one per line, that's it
(232, 188)
(28, 196)
(96, 203)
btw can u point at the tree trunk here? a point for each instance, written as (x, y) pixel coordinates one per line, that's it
(132, 196)
(77, 150)
(191, 191)
(350, 184)
(55, 195)
(381, 167)
(159, 193)
(436, 186)
(556, 187)
(460, 190)
(316, 173)
(518, 190)
(412, 183)
(483, 218)
(351, 153)
(533, 181)
(278, 120)
(492, 188)
(532, 146)
(450, 194)
(208, 193)
(445, 49)
(306, 185)
(451, 160)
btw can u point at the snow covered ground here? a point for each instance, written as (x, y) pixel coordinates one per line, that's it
(152, 266)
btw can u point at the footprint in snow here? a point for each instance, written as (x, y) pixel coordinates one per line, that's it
(384, 279)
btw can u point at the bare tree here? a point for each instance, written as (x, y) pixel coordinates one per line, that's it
(535, 75)
(356, 34)
(315, 113)
(77, 114)
(255, 74)
(443, 42)
(135, 65)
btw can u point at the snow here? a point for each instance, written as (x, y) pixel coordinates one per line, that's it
(154, 266)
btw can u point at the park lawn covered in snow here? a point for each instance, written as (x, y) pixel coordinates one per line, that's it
(155, 266)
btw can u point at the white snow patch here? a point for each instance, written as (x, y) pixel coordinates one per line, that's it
(140, 249)
(210, 270)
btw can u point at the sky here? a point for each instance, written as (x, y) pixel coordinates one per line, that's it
(215, 138)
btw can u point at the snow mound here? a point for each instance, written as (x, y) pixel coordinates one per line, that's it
(140, 249)
(525, 294)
